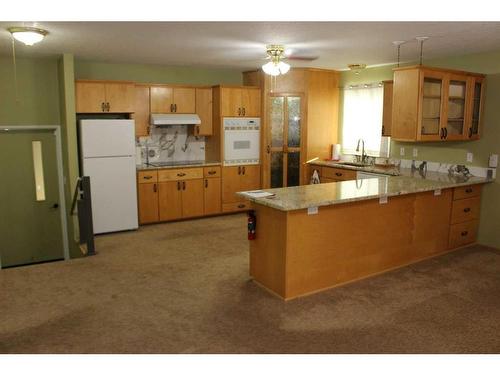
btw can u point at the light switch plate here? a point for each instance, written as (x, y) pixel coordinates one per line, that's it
(383, 199)
(493, 162)
(415, 152)
(437, 192)
(402, 151)
(312, 210)
(470, 157)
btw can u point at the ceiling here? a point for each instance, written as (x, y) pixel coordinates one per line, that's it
(241, 45)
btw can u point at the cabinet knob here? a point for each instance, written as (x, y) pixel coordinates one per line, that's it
(464, 233)
(243, 170)
(468, 190)
(241, 206)
(147, 177)
(178, 185)
(175, 107)
(155, 188)
(338, 174)
(244, 110)
(239, 170)
(181, 174)
(212, 172)
(206, 183)
(467, 209)
(239, 111)
(268, 149)
(183, 185)
(103, 107)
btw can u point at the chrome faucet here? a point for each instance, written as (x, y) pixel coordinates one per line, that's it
(363, 154)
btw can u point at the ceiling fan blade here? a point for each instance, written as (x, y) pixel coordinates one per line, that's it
(302, 58)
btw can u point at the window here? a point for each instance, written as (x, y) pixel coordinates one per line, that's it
(362, 118)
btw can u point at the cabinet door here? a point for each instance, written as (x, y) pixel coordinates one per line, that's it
(250, 177)
(184, 100)
(161, 99)
(204, 111)
(170, 200)
(250, 102)
(141, 114)
(212, 196)
(431, 124)
(148, 203)
(476, 108)
(231, 102)
(120, 97)
(456, 107)
(192, 198)
(387, 109)
(90, 97)
(231, 177)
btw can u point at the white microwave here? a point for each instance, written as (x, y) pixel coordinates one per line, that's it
(241, 140)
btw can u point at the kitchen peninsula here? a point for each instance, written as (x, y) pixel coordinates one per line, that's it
(313, 237)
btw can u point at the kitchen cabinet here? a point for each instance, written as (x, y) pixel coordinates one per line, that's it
(238, 178)
(332, 174)
(147, 191)
(141, 107)
(204, 111)
(387, 109)
(304, 122)
(104, 96)
(170, 200)
(240, 102)
(431, 104)
(166, 99)
(464, 217)
(212, 190)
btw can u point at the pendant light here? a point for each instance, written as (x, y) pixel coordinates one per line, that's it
(28, 35)
(398, 44)
(421, 40)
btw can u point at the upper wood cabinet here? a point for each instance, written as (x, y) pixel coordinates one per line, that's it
(141, 114)
(431, 104)
(204, 111)
(387, 109)
(240, 102)
(100, 96)
(166, 99)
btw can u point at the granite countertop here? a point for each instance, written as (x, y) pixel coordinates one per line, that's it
(305, 196)
(371, 168)
(178, 164)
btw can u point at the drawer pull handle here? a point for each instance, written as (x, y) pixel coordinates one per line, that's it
(469, 190)
(148, 177)
(467, 209)
(241, 206)
(464, 233)
(183, 185)
(178, 185)
(181, 174)
(212, 172)
(338, 174)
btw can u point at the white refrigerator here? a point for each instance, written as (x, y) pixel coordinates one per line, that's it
(107, 151)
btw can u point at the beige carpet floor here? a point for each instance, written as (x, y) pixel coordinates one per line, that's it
(184, 288)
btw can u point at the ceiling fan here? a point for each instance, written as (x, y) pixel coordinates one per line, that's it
(277, 53)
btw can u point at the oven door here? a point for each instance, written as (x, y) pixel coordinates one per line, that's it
(241, 146)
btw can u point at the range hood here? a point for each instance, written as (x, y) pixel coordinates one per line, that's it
(164, 119)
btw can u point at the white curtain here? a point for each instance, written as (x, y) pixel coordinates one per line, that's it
(362, 118)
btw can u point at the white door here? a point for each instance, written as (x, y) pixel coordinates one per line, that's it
(107, 138)
(113, 192)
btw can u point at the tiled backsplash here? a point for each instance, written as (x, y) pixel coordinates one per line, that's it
(172, 143)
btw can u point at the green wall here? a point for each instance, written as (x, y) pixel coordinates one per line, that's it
(455, 152)
(156, 73)
(38, 92)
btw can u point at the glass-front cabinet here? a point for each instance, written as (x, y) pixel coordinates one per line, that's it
(433, 87)
(476, 107)
(455, 126)
(285, 139)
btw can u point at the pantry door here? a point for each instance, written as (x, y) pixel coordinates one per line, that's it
(31, 223)
(284, 135)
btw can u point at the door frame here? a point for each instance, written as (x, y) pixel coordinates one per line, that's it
(56, 130)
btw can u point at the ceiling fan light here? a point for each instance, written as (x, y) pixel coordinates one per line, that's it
(283, 67)
(271, 68)
(28, 35)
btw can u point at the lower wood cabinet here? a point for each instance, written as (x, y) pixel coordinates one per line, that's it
(332, 174)
(172, 194)
(464, 216)
(238, 178)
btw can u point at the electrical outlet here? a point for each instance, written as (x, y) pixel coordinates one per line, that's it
(470, 157)
(415, 152)
(402, 151)
(493, 162)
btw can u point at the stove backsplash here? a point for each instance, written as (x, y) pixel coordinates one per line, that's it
(172, 144)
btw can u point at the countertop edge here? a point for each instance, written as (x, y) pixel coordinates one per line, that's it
(143, 167)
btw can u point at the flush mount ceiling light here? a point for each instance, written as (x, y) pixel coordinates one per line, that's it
(28, 35)
(275, 67)
(356, 68)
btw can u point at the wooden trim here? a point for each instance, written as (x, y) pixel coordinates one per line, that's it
(103, 81)
(444, 70)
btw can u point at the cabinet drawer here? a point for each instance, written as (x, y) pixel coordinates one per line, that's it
(179, 174)
(465, 210)
(211, 172)
(463, 234)
(236, 206)
(338, 173)
(466, 192)
(325, 180)
(145, 177)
